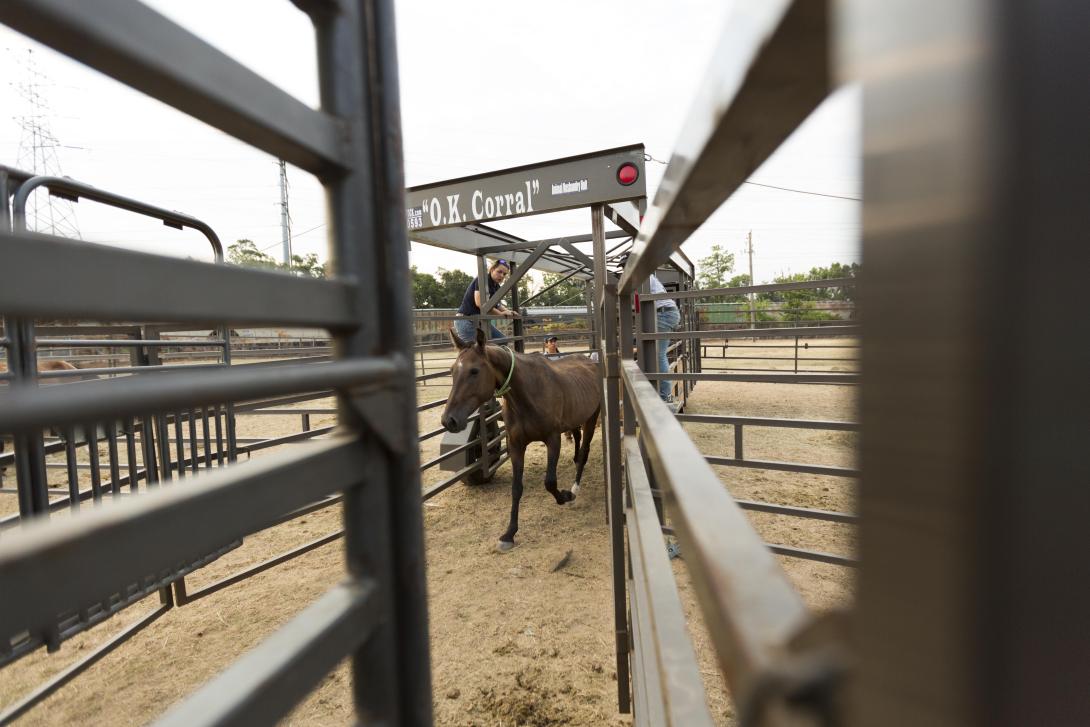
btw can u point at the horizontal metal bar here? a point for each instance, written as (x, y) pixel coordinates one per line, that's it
(286, 439)
(431, 404)
(804, 512)
(750, 607)
(262, 566)
(747, 289)
(172, 525)
(428, 377)
(28, 408)
(447, 455)
(770, 70)
(117, 370)
(74, 190)
(804, 331)
(681, 683)
(766, 378)
(287, 412)
(154, 287)
(263, 685)
(756, 464)
(21, 707)
(141, 48)
(436, 489)
(428, 435)
(248, 406)
(814, 555)
(826, 424)
(125, 342)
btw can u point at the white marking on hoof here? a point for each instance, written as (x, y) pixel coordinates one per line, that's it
(503, 546)
(574, 490)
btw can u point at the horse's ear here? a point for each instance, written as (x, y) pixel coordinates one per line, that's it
(458, 344)
(480, 338)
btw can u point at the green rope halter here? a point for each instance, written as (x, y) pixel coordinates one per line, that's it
(507, 383)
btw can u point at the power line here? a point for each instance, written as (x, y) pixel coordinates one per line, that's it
(803, 191)
(649, 158)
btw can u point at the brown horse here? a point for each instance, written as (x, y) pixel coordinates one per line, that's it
(542, 399)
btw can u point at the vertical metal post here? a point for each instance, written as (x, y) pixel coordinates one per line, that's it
(973, 592)
(485, 325)
(590, 295)
(383, 527)
(516, 323)
(647, 353)
(30, 473)
(606, 296)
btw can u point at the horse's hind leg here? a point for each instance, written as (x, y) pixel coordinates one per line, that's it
(576, 437)
(562, 496)
(584, 451)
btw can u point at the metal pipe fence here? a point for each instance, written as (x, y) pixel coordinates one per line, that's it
(377, 617)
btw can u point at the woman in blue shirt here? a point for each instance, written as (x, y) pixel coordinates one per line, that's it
(466, 327)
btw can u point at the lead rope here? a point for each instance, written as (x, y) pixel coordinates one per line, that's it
(507, 383)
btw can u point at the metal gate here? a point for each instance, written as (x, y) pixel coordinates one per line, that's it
(378, 615)
(972, 591)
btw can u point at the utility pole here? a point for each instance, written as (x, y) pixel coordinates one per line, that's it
(752, 296)
(285, 216)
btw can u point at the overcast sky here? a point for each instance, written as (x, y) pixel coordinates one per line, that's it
(482, 88)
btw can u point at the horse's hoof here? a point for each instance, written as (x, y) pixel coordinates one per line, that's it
(566, 496)
(505, 546)
(575, 490)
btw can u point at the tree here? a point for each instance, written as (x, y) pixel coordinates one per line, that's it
(453, 284)
(427, 292)
(246, 253)
(307, 267)
(714, 269)
(569, 292)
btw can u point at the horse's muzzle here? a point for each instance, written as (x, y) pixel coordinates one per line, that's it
(451, 424)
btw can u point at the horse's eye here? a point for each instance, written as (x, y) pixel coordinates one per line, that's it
(474, 372)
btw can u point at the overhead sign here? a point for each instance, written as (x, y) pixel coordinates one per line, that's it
(613, 175)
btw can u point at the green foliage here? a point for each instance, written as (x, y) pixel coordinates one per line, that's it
(427, 292)
(453, 284)
(713, 270)
(247, 254)
(833, 272)
(307, 267)
(570, 292)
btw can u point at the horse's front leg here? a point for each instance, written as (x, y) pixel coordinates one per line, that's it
(553, 446)
(518, 454)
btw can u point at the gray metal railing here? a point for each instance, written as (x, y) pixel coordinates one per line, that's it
(770, 71)
(377, 617)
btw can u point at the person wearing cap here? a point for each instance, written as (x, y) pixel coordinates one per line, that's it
(464, 325)
(552, 350)
(667, 318)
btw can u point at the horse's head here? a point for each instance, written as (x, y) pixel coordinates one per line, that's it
(473, 382)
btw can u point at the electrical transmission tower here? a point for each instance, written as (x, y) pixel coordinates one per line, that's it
(38, 153)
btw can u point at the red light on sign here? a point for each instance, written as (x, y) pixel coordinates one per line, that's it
(627, 174)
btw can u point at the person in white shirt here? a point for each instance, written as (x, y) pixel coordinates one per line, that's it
(667, 318)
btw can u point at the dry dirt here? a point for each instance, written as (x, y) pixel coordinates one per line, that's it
(513, 641)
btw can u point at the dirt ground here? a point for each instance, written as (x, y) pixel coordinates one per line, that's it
(515, 640)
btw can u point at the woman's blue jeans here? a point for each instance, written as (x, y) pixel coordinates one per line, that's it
(466, 328)
(667, 319)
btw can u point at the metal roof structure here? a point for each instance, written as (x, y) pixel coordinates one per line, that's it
(452, 214)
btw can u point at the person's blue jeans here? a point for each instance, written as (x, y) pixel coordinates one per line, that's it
(667, 319)
(466, 328)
